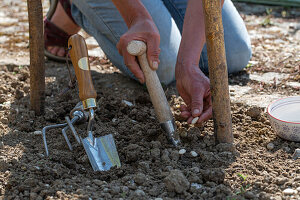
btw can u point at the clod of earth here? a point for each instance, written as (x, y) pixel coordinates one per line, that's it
(176, 182)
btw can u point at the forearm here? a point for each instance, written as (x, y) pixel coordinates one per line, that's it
(193, 35)
(132, 10)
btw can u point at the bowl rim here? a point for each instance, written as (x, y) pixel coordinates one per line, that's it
(268, 108)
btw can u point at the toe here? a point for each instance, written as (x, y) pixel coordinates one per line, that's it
(54, 50)
(61, 52)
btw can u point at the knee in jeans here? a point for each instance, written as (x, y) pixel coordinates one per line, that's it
(238, 58)
(166, 70)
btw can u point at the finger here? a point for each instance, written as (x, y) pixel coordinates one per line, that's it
(133, 66)
(197, 104)
(119, 47)
(185, 114)
(153, 52)
(206, 115)
(190, 119)
(183, 108)
(186, 98)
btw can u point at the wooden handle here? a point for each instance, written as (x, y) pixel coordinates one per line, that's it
(79, 58)
(156, 92)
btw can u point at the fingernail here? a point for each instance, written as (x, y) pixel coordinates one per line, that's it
(196, 112)
(155, 65)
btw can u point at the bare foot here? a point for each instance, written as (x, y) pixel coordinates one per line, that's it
(63, 21)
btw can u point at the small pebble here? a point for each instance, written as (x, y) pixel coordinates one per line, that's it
(183, 134)
(182, 151)
(286, 149)
(37, 132)
(296, 154)
(270, 146)
(194, 121)
(194, 154)
(298, 189)
(289, 191)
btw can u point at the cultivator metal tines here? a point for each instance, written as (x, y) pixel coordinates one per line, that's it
(79, 115)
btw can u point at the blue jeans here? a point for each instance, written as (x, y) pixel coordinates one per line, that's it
(101, 19)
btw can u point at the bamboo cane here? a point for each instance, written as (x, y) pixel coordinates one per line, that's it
(37, 63)
(218, 70)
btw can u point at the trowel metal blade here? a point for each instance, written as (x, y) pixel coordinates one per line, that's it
(102, 152)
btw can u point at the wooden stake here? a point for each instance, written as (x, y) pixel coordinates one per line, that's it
(218, 70)
(37, 63)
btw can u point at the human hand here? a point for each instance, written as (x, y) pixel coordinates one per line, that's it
(194, 87)
(144, 30)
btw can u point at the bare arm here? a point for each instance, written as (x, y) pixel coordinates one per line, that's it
(193, 35)
(192, 85)
(140, 27)
(131, 10)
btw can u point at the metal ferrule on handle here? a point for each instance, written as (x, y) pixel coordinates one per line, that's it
(89, 103)
(169, 127)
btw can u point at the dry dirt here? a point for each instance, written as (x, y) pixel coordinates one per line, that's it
(151, 167)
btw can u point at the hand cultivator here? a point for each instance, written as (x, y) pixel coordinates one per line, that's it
(79, 115)
(101, 151)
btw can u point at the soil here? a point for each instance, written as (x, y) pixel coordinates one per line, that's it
(258, 166)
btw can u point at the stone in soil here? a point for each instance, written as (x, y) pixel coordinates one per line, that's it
(270, 146)
(176, 182)
(289, 191)
(296, 154)
(140, 178)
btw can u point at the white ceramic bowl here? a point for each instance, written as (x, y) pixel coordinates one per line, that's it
(284, 115)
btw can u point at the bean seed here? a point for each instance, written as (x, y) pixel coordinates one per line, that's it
(194, 121)
(182, 151)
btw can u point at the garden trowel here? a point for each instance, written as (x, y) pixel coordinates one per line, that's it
(101, 151)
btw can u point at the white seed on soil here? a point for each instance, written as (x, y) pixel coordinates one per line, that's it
(128, 103)
(37, 132)
(289, 191)
(270, 146)
(194, 154)
(182, 151)
(194, 121)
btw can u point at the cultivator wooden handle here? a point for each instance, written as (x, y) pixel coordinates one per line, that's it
(156, 92)
(79, 58)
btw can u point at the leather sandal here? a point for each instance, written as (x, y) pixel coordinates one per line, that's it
(53, 35)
